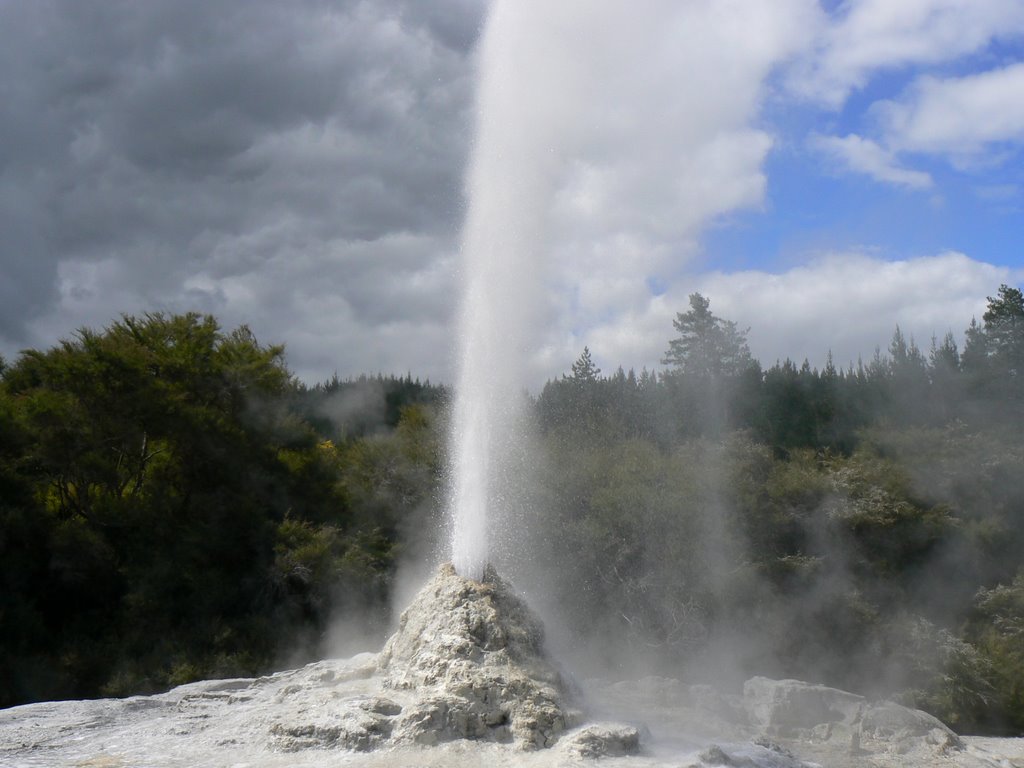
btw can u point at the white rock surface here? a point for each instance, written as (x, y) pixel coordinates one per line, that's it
(603, 740)
(790, 723)
(469, 685)
(786, 707)
(474, 654)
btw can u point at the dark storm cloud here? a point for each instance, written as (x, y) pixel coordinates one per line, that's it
(456, 23)
(151, 153)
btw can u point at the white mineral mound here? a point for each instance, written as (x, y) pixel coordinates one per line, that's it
(473, 653)
(465, 682)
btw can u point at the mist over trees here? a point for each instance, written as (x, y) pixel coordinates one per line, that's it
(854, 525)
(175, 505)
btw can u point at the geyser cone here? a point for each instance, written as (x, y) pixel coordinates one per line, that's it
(478, 650)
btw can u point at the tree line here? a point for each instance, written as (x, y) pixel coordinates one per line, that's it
(862, 526)
(175, 505)
(712, 385)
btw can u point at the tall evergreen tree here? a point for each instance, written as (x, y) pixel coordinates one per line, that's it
(583, 370)
(993, 356)
(907, 397)
(1004, 331)
(946, 378)
(707, 345)
(974, 359)
(709, 362)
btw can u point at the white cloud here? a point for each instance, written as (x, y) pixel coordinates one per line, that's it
(871, 35)
(999, 193)
(853, 302)
(351, 307)
(958, 116)
(850, 303)
(638, 161)
(170, 162)
(596, 167)
(861, 155)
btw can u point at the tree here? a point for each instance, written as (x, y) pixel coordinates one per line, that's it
(160, 461)
(945, 356)
(1004, 330)
(908, 383)
(707, 346)
(583, 399)
(713, 377)
(974, 359)
(993, 356)
(998, 631)
(946, 378)
(905, 355)
(583, 370)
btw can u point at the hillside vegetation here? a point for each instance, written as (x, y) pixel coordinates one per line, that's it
(175, 505)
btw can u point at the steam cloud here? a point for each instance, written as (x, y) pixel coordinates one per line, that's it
(618, 159)
(574, 128)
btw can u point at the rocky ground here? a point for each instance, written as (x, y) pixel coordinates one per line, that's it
(465, 682)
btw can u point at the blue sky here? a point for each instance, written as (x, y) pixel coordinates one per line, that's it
(962, 193)
(813, 203)
(855, 166)
(822, 171)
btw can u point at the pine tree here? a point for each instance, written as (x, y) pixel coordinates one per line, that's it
(583, 370)
(1004, 331)
(707, 346)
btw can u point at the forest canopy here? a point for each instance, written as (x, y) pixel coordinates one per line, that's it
(174, 505)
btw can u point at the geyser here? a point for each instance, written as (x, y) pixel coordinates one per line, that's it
(507, 189)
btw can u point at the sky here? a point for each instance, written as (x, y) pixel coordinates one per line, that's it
(821, 171)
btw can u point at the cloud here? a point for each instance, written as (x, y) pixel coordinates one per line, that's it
(847, 302)
(375, 304)
(860, 155)
(300, 168)
(974, 120)
(596, 168)
(958, 116)
(868, 36)
(271, 164)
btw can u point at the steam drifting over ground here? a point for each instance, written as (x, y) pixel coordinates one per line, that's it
(465, 680)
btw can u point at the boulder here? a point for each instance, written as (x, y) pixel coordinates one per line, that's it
(788, 706)
(756, 755)
(603, 740)
(889, 721)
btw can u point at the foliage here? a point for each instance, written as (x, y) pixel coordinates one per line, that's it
(174, 505)
(993, 355)
(707, 346)
(997, 629)
(946, 675)
(865, 506)
(347, 409)
(167, 512)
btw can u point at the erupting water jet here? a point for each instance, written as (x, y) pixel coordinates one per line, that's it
(502, 239)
